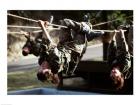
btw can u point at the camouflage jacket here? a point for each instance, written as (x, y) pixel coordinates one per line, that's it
(118, 55)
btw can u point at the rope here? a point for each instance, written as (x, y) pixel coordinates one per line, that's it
(38, 31)
(15, 26)
(24, 18)
(107, 30)
(58, 25)
(15, 33)
(21, 32)
(20, 17)
(109, 22)
(55, 24)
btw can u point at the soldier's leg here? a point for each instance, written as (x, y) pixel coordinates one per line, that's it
(83, 28)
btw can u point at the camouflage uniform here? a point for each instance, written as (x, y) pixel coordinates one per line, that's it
(90, 33)
(83, 28)
(81, 33)
(130, 40)
(66, 56)
(118, 55)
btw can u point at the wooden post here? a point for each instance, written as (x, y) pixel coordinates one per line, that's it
(104, 27)
(105, 47)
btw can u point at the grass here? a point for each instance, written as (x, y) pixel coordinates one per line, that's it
(22, 80)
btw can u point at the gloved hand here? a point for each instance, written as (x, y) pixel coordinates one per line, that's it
(71, 24)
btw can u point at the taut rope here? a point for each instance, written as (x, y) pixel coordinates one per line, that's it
(20, 17)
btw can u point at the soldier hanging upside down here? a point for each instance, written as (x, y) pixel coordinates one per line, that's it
(119, 59)
(62, 57)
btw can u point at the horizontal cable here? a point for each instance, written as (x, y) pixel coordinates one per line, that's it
(38, 31)
(24, 18)
(102, 23)
(20, 17)
(107, 30)
(16, 26)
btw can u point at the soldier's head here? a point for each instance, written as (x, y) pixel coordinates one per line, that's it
(117, 77)
(33, 45)
(45, 73)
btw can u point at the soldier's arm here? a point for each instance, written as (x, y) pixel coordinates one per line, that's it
(122, 46)
(91, 34)
(111, 53)
(130, 40)
(123, 53)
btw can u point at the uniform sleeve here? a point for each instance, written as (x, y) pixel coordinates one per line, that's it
(130, 40)
(111, 54)
(123, 55)
(93, 34)
(126, 62)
